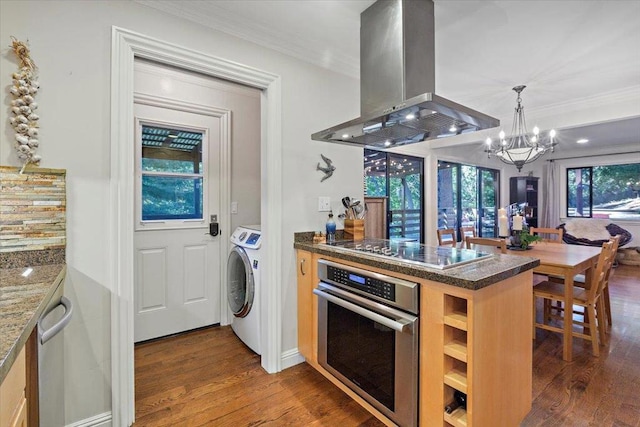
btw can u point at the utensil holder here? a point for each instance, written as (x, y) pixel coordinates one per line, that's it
(354, 229)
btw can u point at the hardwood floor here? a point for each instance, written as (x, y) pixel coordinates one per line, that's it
(209, 378)
(592, 391)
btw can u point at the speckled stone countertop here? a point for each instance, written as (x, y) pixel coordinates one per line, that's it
(22, 301)
(472, 276)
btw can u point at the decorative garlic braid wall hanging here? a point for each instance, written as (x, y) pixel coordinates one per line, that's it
(24, 119)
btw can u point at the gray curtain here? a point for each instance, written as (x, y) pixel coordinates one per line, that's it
(551, 195)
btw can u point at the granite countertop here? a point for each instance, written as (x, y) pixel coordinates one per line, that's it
(472, 276)
(22, 301)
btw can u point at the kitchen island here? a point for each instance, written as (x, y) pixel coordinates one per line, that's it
(475, 332)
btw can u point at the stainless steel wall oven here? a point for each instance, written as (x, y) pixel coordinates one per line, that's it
(368, 336)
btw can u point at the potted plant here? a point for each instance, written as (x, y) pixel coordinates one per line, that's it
(524, 239)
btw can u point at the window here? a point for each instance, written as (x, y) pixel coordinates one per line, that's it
(172, 174)
(400, 178)
(611, 191)
(468, 196)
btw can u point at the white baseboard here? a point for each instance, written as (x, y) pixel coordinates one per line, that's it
(100, 420)
(290, 358)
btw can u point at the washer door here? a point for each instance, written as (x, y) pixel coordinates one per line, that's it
(240, 285)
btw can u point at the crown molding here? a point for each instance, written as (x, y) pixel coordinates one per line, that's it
(295, 45)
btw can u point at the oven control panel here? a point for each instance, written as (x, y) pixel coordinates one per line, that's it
(364, 283)
(386, 289)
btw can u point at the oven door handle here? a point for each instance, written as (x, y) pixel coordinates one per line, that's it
(401, 326)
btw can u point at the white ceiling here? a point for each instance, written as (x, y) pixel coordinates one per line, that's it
(567, 52)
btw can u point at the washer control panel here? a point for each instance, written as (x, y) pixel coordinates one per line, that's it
(246, 237)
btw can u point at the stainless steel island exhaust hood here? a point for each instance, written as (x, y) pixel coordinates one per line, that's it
(397, 81)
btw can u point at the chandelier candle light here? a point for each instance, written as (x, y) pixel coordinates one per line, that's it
(520, 147)
(503, 223)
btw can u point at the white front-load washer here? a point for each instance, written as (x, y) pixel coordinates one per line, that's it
(243, 284)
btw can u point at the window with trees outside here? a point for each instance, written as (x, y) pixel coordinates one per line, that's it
(399, 178)
(468, 195)
(172, 176)
(611, 191)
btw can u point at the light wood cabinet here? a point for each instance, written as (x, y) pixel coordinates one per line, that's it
(479, 343)
(307, 307)
(13, 401)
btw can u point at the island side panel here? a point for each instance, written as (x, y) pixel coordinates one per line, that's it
(501, 348)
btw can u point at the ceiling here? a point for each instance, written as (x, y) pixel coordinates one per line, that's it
(567, 52)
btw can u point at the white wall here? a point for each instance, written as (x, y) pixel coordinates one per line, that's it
(71, 44)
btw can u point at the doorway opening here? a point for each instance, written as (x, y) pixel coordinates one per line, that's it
(126, 46)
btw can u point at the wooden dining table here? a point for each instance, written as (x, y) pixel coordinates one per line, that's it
(564, 260)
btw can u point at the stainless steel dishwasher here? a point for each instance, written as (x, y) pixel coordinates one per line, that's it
(51, 359)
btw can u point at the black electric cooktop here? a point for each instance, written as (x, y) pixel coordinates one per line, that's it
(440, 257)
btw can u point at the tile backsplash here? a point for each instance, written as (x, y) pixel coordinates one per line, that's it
(32, 209)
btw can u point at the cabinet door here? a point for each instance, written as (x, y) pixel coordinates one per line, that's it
(306, 343)
(13, 404)
(20, 416)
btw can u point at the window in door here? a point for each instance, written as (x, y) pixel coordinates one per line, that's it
(171, 174)
(400, 178)
(467, 196)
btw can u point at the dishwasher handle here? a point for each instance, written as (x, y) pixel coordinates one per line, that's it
(66, 318)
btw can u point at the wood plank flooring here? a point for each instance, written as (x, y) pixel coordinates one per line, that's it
(209, 378)
(592, 391)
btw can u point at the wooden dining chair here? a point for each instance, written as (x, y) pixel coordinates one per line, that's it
(588, 298)
(475, 242)
(447, 237)
(579, 280)
(467, 231)
(551, 235)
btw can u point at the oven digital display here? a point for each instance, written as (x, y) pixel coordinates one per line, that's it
(357, 279)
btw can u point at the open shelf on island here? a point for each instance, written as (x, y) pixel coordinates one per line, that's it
(457, 319)
(457, 418)
(456, 349)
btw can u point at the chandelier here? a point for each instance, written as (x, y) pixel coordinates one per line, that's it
(520, 147)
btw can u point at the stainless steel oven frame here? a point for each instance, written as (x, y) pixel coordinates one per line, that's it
(406, 327)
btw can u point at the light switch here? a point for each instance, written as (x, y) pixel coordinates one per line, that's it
(324, 204)
(234, 207)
